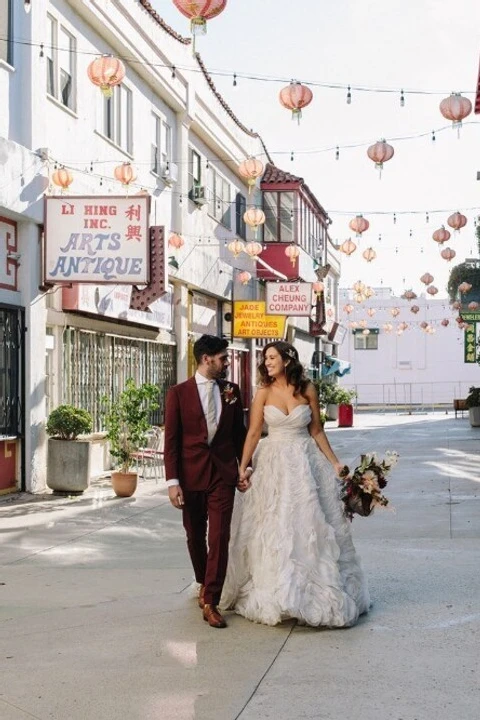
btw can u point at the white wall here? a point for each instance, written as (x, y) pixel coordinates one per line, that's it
(428, 368)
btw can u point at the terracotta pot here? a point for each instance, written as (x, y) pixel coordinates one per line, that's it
(124, 484)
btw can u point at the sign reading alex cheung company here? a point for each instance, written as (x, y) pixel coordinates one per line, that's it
(97, 239)
(289, 298)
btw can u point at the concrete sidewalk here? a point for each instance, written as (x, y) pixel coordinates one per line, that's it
(96, 620)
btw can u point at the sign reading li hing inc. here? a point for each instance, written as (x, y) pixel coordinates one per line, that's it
(97, 239)
(289, 298)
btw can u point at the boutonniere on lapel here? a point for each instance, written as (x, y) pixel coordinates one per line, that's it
(229, 395)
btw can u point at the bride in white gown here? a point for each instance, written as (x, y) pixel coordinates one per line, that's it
(291, 551)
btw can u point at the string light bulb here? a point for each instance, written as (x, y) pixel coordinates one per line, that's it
(27, 4)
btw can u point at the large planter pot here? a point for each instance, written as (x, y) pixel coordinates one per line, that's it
(331, 411)
(345, 415)
(124, 484)
(68, 465)
(474, 416)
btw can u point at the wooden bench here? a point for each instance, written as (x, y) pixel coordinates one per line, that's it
(459, 406)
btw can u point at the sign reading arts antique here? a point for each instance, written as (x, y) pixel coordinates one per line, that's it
(251, 321)
(289, 298)
(97, 239)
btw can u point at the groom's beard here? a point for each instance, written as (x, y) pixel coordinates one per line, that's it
(222, 374)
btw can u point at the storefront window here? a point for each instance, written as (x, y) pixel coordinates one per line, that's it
(96, 365)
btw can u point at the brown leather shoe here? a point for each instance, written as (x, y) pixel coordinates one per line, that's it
(201, 597)
(213, 617)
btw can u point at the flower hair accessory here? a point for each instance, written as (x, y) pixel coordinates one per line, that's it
(292, 353)
(229, 394)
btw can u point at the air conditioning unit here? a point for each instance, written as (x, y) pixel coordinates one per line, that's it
(200, 195)
(169, 173)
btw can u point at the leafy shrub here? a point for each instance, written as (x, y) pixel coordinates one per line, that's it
(67, 422)
(473, 397)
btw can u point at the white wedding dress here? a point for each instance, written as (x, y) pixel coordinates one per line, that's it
(291, 550)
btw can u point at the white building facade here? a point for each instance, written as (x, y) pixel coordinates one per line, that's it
(74, 342)
(420, 366)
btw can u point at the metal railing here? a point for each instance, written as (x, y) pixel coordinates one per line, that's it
(407, 396)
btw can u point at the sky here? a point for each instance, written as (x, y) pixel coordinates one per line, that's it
(429, 45)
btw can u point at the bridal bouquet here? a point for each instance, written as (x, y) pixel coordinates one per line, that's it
(361, 490)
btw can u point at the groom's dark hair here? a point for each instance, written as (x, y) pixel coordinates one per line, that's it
(208, 345)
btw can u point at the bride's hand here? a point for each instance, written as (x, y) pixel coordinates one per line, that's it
(341, 470)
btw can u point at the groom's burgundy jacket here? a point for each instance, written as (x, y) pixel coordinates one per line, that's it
(188, 457)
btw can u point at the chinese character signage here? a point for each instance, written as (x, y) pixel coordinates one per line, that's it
(472, 336)
(289, 298)
(8, 254)
(97, 239)
(251, 321)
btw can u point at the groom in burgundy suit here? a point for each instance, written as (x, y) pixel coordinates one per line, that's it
(204, 436)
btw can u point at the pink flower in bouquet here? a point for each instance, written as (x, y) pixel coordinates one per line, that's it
(361, 491)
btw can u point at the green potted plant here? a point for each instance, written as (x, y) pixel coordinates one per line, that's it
(331, 395)
(68, 464)
(472, 401)
(127, 421)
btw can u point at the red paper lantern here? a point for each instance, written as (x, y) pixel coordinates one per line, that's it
(62, 177)
(409, 295)
(473, 305)
(359, 225)
(432, 290)
(448, 254)
(176, 241)
(250, 169)
(441, 235)
(199, 11)
(426, 279)
(445, 322)
(414, 309)
(254, 217)
(244, 277)
(369, 254)
(464, 287)
(236, 247)
(253, 249)
(371, 312)
(457, 221)
(294, 97)
(348, 247)
(455, 108)
(380, 153)
(125, 173)
(395, 311)
(292, 252)
(106, 72)
(348, 308)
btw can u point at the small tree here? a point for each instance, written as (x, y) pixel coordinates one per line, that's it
(67, 422)
(127, 420)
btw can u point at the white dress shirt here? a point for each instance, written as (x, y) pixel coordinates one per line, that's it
(202, 381)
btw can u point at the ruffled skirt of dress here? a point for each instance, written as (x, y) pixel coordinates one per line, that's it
(291, 550)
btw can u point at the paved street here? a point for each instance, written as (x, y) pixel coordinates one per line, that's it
(96, 620)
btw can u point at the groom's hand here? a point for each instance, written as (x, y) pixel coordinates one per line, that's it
(176, 496)
(244, 480)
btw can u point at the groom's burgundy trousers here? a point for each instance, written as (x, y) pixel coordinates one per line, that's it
(215, 505)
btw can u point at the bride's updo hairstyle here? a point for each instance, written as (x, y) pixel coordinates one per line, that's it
(294, 371)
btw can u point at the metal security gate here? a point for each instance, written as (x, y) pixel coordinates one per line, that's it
(98, 365)
(11, 362)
